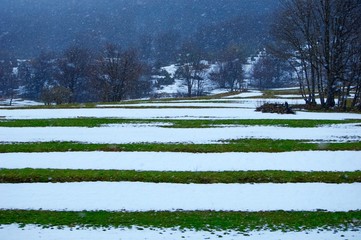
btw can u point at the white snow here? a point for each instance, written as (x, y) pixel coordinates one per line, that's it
(171, 69)
(172, 161)
(226, 102)
(33, 232)
(15, 71)
(136, 133)
(179, 104)
(289, 88)
(138, 196)
(169, 113)
(289, 96)
(177, 87)
(219, 91)
(18, 102)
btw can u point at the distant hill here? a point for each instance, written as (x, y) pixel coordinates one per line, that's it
(28, 27)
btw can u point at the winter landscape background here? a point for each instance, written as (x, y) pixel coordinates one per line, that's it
(180, 119)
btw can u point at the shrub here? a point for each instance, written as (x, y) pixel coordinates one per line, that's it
(275, 108)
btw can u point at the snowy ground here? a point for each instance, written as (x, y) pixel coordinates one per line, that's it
(252, 93)
(18, 102)
(138, 196)
(171, 161)
(32, 232)
(139, 133)
(289, 96)
(166, 113)
(177, 87)
(223, 103)
(227, 102)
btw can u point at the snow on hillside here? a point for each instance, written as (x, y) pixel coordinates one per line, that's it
(210, 87)
(171, 69)
(179, 86)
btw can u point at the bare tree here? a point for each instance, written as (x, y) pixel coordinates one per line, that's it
(316, 37)
(120, 73)
(271, 72)
(217, 75)
(74, 69)
(231, 73)
(8, 82)
(191, 68)
(38, 74)
(354, 75)
(56, 94)
(295, 35)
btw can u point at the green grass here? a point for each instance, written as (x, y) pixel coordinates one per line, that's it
(244, 145)
(96, 122)
(66, 175)
(275, 93)
(200, 220)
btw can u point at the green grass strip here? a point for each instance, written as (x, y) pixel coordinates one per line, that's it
(200, 220)
(244, 145)
(200, 123)
(65, 175)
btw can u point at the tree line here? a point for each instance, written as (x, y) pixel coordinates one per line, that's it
(77, 76)
(114, 74)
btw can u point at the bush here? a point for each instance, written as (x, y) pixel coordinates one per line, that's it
(275, 108)
(56, 95)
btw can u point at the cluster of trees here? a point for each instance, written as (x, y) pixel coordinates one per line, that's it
(226, 71)
(271, 72)
(230, 72)
(191, 69)
(163, 32)
(76, 76)
(321, 41)
(79, 75)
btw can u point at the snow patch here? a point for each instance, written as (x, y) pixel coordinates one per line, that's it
(134, 133)
(33, 232)
(172, 113)
(194, 162)
(138, 196)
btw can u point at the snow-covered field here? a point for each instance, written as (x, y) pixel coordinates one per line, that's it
(137, 133)
(306, 161)
(166, 113)
(139, 196)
